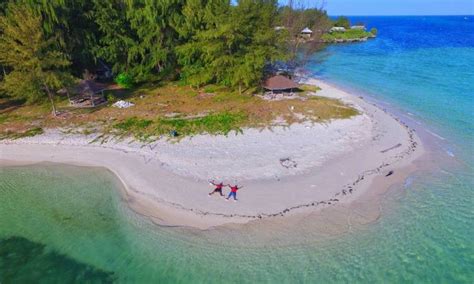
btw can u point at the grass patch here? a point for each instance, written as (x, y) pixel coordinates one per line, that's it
(219, 123)
(213, 89)
(17, 135)
(231, 97)
(161, 109)
(310, 88)
(133, 126)
(133, 123)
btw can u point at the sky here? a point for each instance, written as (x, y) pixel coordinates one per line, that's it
(394, 7)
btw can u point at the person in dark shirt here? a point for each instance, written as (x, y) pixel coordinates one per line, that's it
(218, 188)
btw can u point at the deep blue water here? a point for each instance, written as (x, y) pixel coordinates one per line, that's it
(422, 65)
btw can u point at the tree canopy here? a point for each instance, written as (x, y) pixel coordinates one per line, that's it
(342, 22)
(37, 65)
(199, 41)
(229, 45)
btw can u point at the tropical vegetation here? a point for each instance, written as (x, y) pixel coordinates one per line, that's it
(196, 63)
(349, 35)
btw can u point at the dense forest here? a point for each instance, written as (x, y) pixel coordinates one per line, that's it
(46, 45)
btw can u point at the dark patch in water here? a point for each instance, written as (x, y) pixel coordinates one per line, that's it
(24, 261)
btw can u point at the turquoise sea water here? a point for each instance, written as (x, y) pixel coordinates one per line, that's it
(62, 224)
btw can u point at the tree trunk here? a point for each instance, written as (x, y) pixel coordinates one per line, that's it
(240, 88)
(50, 96)
(68, 96)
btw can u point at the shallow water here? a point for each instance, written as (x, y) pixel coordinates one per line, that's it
(68, 224)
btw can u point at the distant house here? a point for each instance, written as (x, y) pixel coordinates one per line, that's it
(280, 84)
(306, 32)
(358, 27)
(337, 29)
(279, 28)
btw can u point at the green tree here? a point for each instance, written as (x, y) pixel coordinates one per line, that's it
(300, 49)
(230, 45)
(203, 40)
(115, 33)
(258, 43)
(137, 36)
(71, 23)
(3, 6)
(38, 67)
(342, 22)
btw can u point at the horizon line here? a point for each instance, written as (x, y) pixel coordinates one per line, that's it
(403, 15)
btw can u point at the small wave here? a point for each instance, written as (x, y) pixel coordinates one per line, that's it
(450, 153)
(435, 135)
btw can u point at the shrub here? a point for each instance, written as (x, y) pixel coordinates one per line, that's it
(342, 22)
(111, 98)
(124, 80)
(373, 31)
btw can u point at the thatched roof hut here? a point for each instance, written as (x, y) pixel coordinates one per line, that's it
(280, 83)
(86, 93)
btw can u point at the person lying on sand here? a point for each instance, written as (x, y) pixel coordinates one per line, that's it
(233, 191)
(218, 188)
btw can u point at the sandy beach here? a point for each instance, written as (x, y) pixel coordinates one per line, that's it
(285, 170)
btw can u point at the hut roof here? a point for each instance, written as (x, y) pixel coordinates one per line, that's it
(279, 82)
(86, 86)
(306, 31)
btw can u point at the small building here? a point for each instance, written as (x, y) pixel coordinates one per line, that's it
(86, 93)
(337, 29)
(358, 27)
(280, 84)
(279, 28)
(306, 32)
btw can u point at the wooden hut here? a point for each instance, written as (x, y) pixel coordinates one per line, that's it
(280, 84)
(87, 93)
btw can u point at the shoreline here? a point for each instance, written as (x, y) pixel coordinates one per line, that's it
(335, 171)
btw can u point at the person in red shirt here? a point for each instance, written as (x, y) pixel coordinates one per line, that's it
(233, 191)
(218, 188)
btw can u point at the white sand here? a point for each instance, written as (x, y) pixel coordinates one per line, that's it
(335, 163)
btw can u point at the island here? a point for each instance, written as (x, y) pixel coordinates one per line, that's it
(342, 31)
(175, 110)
